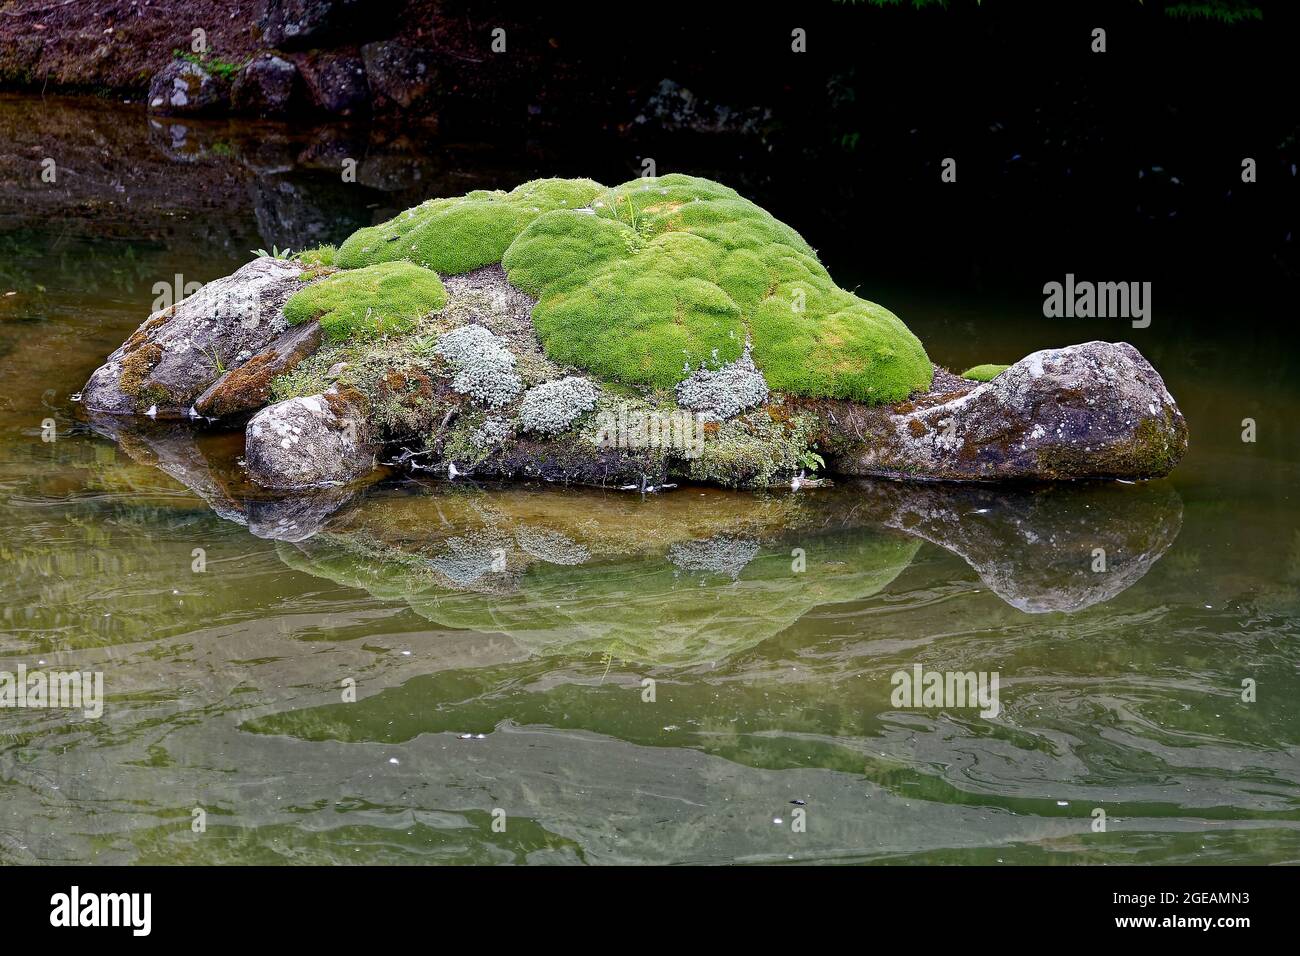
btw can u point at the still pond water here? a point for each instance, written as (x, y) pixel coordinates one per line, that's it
(482, 688)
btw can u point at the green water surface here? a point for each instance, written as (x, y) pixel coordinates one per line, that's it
(675, 678)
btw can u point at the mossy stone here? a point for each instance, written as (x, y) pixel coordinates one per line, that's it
(984, 373)
(455, 235)
(665, 275)
(377, 300)
(644, 283)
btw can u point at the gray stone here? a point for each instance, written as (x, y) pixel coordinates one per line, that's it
(400, 73)
(1096, 410)
(181, 350)
(265, 87)
(299, 24)
(308, 442)
(247, 388)
(336, 82)
(185, 88)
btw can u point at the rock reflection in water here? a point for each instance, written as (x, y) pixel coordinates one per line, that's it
(690, 577)
(679, 576)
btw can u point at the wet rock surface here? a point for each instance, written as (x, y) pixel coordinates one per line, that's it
(245, 389)
(265, 87)
(308, 442)
(175, 355)
(183, 88)
(1096, 410)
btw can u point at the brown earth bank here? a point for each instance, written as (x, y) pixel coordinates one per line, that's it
(117, 47)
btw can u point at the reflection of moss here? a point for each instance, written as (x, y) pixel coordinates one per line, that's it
(665, 614)
(473, 842)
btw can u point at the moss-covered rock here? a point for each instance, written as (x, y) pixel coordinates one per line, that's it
(455, 235)
(366, 303)
(664, 330)
(650, 281)
(664, 275)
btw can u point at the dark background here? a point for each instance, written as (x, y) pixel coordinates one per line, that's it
(1116, 166)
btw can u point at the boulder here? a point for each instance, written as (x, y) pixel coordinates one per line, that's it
(181, 350)
(1096, 410)
(401, 73)
(265, 87)
(335, 81)
(185, 88)
(247, 388)
(308, 443)
(550, 350)
(299, 24)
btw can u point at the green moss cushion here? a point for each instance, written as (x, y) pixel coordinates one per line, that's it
(666, 274)
(984, 373)
(365, 303)
(645, 282)
(455, 235)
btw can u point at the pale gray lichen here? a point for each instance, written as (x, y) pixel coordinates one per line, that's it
(551, 546)
(491, 433)
(720, 394)
(552, 407)
(467, 560)
(485, 368)
(721, 554)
